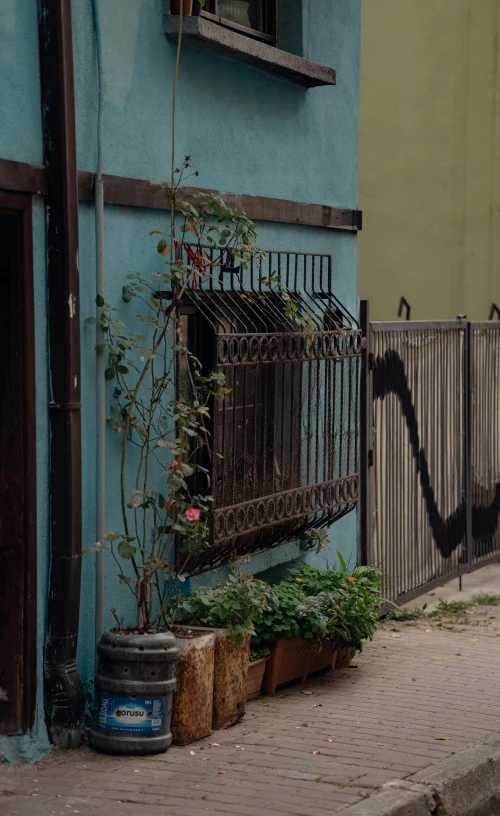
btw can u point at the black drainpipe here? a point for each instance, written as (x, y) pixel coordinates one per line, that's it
(64, 693)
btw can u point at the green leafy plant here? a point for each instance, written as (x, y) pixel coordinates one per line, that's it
(406, 614)
(348, 600)
(290, 618)
(238, 604)
(483, 599)
(453, 607)
(360, 617)
(329, 607)
(316, 540)
(259, 654)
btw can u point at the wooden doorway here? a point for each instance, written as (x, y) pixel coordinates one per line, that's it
(17, 467)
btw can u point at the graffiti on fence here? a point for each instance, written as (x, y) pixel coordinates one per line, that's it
(389, 376)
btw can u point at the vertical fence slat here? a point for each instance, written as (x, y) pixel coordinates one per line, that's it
(365, 437)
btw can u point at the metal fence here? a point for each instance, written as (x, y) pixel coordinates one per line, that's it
(430, 451)
(485, 441)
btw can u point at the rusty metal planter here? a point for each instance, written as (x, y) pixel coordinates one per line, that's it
(291, 659)
(255, 677)
(193, 701)
(230, 679)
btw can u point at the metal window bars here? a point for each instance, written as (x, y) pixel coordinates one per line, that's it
(287, 431)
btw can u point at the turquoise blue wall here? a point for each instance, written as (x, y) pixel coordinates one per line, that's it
(247, 132)
(129, 248)
(20, 112)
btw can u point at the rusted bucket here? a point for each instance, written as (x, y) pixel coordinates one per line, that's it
(230, 679)
(193, 701)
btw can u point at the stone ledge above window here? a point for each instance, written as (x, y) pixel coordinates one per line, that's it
(209, 36)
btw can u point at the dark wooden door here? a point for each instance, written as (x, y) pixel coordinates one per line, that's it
(17, 468)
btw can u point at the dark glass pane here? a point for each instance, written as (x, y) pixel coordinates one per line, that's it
(245, 12)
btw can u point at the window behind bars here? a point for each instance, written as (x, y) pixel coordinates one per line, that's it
(285, 437)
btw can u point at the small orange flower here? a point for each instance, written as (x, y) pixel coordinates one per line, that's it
(301, 594)
(299, 580)
(351, 579)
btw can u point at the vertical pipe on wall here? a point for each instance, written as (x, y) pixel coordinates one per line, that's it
(365, 508)
(65, 699)
(100, 385)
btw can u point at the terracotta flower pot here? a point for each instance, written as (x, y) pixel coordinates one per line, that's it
(255, 677)
(184, 7)
(291, 659)
(325, 659)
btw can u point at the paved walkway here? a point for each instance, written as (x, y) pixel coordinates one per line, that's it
(420, 692)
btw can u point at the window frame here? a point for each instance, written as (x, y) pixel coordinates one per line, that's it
(210, 12)
(202, 341)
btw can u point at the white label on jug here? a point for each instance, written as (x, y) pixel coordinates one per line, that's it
(133, 715)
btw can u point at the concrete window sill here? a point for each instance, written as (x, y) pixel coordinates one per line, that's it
(209, 36)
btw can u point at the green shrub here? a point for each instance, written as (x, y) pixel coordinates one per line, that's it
(259, 654)
(288, 619)
(316, 604)
(237, 604)
(347, 599)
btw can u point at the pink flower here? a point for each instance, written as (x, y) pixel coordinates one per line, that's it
(193, 514)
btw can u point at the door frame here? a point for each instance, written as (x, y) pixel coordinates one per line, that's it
(21, 204)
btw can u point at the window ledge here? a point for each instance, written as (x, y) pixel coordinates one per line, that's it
(203, 33)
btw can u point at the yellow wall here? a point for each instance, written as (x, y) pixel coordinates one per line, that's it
(429, 161)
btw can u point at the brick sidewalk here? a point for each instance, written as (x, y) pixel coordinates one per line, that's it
(414, 685)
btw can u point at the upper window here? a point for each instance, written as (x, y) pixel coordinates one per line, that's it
(257, 18)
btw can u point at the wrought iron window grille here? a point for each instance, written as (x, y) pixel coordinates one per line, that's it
(287, 431)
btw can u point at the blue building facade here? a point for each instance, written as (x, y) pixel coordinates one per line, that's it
(271, 131)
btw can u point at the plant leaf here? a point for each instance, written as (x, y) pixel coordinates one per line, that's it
(126, 549)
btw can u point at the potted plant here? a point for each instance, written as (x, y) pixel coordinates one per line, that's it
(356, 592)
(256, 670)
(320, 612)
(231, 609)
(296, 632)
